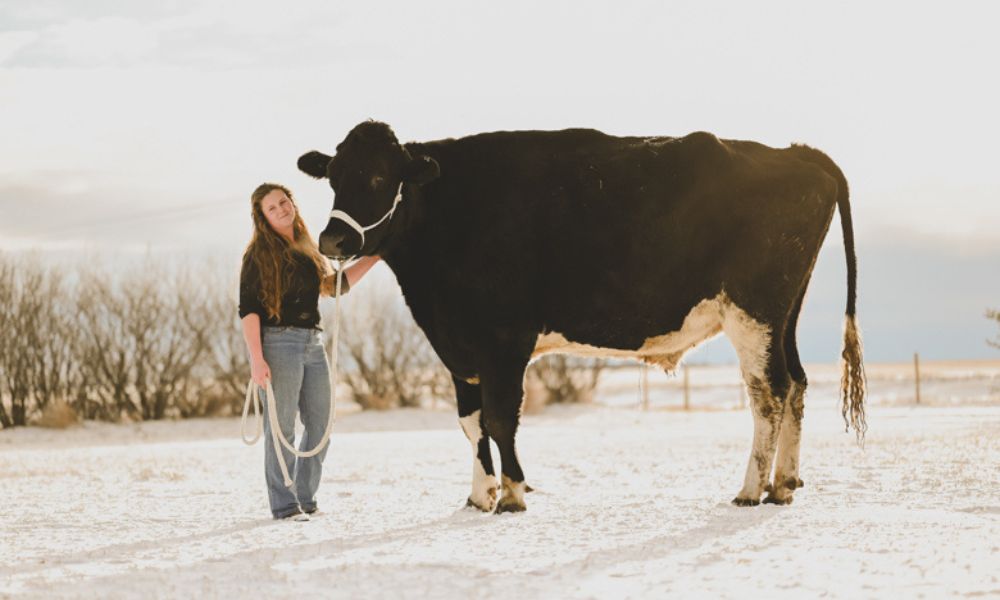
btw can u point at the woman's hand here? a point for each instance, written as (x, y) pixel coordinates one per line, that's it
(328, 286)
(260, 372)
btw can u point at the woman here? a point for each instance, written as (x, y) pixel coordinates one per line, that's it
(282, 277)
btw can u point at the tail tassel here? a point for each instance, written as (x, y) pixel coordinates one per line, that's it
(853, 382)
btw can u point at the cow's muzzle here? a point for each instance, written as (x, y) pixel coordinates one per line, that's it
(331, 245)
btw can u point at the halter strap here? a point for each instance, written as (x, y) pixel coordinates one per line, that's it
(353, 224)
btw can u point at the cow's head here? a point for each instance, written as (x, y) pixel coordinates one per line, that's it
(367, 176)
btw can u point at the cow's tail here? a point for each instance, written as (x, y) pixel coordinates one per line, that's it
(853, 382)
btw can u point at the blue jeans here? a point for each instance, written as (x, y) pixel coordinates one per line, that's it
(300, 377)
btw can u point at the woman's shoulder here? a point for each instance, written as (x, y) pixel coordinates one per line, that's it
(248, 267)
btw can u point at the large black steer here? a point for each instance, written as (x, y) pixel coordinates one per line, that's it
(509, 245)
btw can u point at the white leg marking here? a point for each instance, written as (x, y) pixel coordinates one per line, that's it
(484, 487)
(765, 434)
(786, 465)
(751, 339)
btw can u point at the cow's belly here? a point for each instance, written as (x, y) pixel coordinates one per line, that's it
(663, 349)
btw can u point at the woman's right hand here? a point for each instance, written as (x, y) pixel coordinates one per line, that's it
(259, 371)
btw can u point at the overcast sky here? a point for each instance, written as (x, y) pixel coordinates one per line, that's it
(134, 124)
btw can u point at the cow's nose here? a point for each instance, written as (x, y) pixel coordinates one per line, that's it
(329, 244)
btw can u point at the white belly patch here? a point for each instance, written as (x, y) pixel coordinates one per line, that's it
(665, 351)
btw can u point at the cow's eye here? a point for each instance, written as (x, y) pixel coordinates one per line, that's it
(377, 182)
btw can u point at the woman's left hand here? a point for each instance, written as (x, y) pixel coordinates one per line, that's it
(328, 286)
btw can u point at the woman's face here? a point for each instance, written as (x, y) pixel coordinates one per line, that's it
(279, 211)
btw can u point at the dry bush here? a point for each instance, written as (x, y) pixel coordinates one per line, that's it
(105, 352)
(36, 357)
(385, 359)
(150, 331)
(139, 339)
(7, 280)
(562, 379)
(228, 359)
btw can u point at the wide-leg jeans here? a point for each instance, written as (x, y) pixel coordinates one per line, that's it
(300, 376)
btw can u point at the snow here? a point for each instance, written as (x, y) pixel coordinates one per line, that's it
(628, 504)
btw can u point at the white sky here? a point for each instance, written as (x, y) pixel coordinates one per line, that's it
(129, 122)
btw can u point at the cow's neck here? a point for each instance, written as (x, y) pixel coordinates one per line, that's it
(415, 274)
(406, 252)
(410, 254)
(406, 229)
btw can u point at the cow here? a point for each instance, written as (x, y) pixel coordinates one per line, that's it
(513, 244)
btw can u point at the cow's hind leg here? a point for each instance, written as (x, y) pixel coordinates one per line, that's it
(503, 391)
(470, 416)
(786, 466)
(762, 361)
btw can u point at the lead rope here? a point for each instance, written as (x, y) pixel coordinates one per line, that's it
(277, 437)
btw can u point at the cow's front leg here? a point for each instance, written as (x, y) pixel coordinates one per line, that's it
(503, 392)
(470, 416)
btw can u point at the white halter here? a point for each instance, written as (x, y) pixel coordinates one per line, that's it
(346, 218)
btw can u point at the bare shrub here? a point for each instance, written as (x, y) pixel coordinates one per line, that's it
(105, 352)
(36, 327)
(562, 379)
(7, 282)
(148, 335)
(385, 360)
(205, 318)
(228, 360)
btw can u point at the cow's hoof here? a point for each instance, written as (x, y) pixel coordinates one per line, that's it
(470, 503)
(511, 496)
(793, 483)
(486, 502)
(772, 499)
(509, 505)
(745, 501)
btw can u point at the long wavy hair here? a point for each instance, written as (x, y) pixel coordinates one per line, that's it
(273, 255)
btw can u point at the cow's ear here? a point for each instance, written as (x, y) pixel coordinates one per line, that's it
(314, 164)
(421, 170)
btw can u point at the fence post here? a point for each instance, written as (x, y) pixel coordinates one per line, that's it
(916, 374)
(644, 382)
(687, 388)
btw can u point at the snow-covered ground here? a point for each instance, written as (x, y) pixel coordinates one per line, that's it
(627, 504)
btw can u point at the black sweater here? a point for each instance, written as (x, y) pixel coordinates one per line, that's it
(299, 303)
